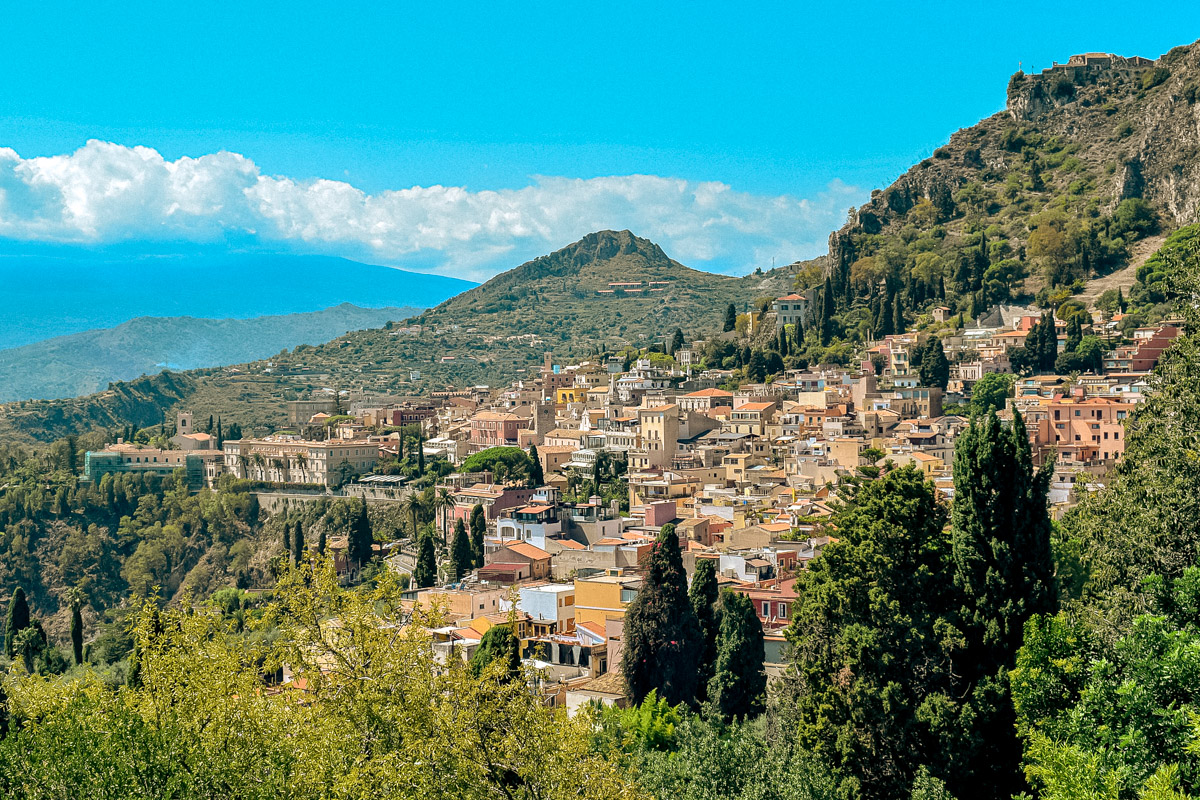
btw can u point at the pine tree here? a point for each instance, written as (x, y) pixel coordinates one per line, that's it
(77, 632)
(461, 557)
(298, 544)
(361, 537)
(478, 523)
(17, 621)
(739, 681)
(662, 638)
(702, 594)
(536, 476)
(1005, 573)
(730, 319)
(425, 572)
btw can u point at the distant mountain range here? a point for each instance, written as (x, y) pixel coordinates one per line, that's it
(607, 290)
(64, 291)
(82, 363)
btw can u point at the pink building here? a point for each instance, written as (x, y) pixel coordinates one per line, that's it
(496, 429)
(1081, 429)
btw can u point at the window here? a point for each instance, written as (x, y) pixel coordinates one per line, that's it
(782, 610)
(766, 608)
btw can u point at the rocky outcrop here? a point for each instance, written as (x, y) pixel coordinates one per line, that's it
(1130, 125)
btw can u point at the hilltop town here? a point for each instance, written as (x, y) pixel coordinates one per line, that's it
(914, 519)
(576, 472)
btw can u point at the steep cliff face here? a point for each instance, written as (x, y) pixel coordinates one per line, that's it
(1076, 139)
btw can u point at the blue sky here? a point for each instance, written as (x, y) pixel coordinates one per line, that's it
(760, 122)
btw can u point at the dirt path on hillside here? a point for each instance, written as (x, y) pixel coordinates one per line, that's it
(1126, 276)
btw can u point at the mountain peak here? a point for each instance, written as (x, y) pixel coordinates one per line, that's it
(606, 245)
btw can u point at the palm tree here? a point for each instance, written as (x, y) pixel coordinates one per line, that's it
(443, 502)
(411, 505)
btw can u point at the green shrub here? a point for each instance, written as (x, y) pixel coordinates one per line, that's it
(1154, 77)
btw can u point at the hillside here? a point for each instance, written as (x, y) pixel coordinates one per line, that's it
(1087, 160)
(83, 363)
(490, 334)
(65, 290)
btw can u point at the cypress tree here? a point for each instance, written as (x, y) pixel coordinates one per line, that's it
(321, 543)
(730, 319)
(935, 368)
(897, 315)
(1001, 532)
(662, 638)
(421, 453)
(361, 538)
(478, 524)
(425, 572)
(298, 544)
(677, 341)
(220, 436)
(77, 631)
(1074, 333)
(702, 594)
(536, 476)
(885, 322)
(287, 540)
(828, 310)
(1005, 573)
(783, 341)
(1047, 344)
(739, 680)
(461, 557)
(799, 333)
(1120, 301)
(498, 644)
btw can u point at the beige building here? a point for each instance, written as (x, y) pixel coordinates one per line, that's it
(286, 459)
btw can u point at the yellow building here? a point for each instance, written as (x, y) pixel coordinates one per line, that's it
(604, 597)
(570, 394)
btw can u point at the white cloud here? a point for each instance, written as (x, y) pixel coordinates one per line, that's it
(105, 193)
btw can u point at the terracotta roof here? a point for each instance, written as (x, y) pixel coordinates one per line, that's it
(534, 509)
(494, 416)
(529, 551)
(609, 683)
(754, 407)
(710, 393)
(793, 297)
(593, 628)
